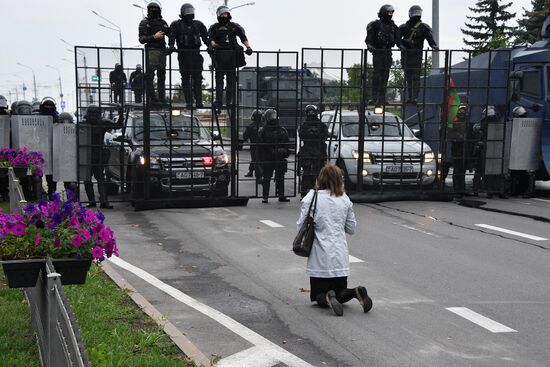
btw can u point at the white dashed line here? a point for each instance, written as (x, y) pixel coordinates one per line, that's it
(543, 200)
(417, 230)
(514, 233)
(264, 353)
(481, 320)
(272, 224)
(353, 259)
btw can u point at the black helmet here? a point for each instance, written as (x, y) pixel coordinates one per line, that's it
(270, 115)
(311, 110)
(47, 106)
(415, 11)
(65, 117)
(256, 116)
(187, 9)
(23, 108)
(519, 111)
(154, 10)
(3, 102)
(138, 67)
(36, 107)
(384, 10)
(93, 113)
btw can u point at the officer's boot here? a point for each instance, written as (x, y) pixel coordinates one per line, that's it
(265, 189)
(198, 96)
(161, 81)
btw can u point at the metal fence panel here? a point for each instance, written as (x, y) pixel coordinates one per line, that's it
(34, 132)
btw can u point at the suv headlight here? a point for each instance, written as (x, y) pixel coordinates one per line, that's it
(366, 156)
(154, 161)
(429, 156)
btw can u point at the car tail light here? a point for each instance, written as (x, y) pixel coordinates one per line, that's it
(207, 161)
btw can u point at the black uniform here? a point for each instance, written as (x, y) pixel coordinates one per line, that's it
(313, 153)
(48, 108)
(227, 56)
(155, 54)
(117, 79)
(251, 133)
(188, 33)
(457, 133)
(382, 36)
(413, 33)
(136, 83)
(99, 155)
(274, 142)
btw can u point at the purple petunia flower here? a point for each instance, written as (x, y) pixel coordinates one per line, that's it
(37, 239)
(57, 243)
(77, 240)
(70, 195)
(89, 216)
(100, 216)
(97, 252)
(56, 197)
(73, 222)
(18, 229)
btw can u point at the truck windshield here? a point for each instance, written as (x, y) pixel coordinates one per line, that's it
(375, 126)
(182, 128)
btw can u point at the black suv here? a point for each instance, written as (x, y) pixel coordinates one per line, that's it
(183, 156)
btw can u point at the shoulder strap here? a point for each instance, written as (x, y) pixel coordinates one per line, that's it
(313, 204)
(414, 30)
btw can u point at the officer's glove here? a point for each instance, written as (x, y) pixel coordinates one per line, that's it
(248, 51)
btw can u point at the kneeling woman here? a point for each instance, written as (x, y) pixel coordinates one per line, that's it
(328, 263)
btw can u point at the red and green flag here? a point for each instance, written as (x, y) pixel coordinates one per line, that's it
(453, 103)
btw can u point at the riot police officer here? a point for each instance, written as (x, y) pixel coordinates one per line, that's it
(4, 107)
(457, 132)
(227, 54)
(188, 34)
(152, 30)
(99, 155)
(274, 141)
(48, 108)
(313, 152)
(136, 83)
(251, 134)
(413, 33)
(382, 36)
(117, 79)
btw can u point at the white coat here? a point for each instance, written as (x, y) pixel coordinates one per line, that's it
(334, 218)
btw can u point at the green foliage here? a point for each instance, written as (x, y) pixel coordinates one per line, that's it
(488, 25)
(116, 332)
(17, 342)
(530, 25)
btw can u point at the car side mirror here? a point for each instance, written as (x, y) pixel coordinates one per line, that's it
(417, 133)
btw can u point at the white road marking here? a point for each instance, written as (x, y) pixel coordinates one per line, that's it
(417, 230)
(514, 233)
(544, 200)
(481, 320)
(353, 259)
(272, 353)
(272, 224)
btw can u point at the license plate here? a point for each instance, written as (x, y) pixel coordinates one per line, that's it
(397, 169)
(187, 175)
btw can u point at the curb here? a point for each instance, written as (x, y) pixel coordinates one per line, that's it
(184, 344)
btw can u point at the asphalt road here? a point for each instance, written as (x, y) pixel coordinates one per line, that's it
(452, 285)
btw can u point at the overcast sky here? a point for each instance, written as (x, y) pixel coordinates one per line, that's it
(31, 29)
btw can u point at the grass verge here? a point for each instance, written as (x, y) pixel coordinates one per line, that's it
(5, 206)
(17, 342)
(116, 332)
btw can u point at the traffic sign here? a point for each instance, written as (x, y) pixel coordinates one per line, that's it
(63, 105)
(96, 78)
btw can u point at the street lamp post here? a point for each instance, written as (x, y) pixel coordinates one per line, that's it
(83, 54)
(240, 6)
(62, 102)
(435, 26)
(116, 29)
(142, 9)
(33, 80)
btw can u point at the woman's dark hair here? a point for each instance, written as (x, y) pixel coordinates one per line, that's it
(330, 178)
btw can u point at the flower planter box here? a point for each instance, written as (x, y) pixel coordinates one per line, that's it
(22, 273)
(3, 171)
(73, 271)
(20, 172)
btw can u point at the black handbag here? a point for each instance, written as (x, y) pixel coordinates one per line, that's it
(304, 239)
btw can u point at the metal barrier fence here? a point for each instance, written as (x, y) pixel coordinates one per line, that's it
(52, 318)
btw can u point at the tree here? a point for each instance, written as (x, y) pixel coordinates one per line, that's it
(488, 26)
(528, 30)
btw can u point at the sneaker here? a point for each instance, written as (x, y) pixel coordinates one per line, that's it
(264, 201)
(284, 199)
(334, 304)
(363, 297)
(249, 174)
(91, 205)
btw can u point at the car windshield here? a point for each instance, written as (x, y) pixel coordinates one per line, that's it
(390, 126)
(181, 129)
